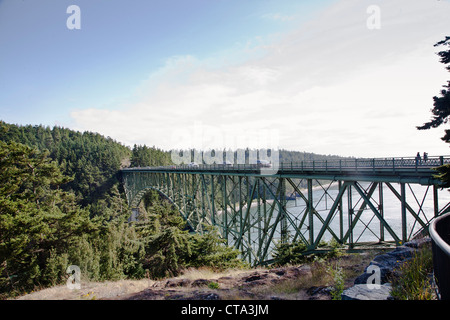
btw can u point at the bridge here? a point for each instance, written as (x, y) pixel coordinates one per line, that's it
(357, 203)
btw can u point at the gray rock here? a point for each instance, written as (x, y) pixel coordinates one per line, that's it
(170, 283)
(278, 271)
(402, 253)
(363, 292)
(253, 278)
(387, 263)
(200, 283)
(418, 243)
(210, 296)
(385, 273)
(319, 290)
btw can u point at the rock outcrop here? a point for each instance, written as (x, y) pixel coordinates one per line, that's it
(374, 284)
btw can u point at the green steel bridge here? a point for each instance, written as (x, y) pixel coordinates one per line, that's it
(359, 203)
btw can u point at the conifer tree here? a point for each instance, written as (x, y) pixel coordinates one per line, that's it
(36, 216)
(441, 109)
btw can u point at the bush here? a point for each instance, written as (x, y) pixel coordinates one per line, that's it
(297, 253)
(290, 253)
(337, 275)
(209, 250)
(169, 248)
(412, 281)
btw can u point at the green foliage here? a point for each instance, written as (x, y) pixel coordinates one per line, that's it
(213, 285)
(90, 159)
(443, 174)
(297, 252)
(338, 282)
(411, 281)
(209, 250)
(169, 248)
(441, 105)
(112, 254)
(61, 204)
(163, 238)
(287, 156)
(143, 156)
(165, 251)
(290, 253)
(37, 218)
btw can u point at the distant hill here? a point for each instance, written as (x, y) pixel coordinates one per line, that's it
(90, 158)
(287, 156)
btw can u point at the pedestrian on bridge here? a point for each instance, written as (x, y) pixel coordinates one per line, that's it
(418, 158)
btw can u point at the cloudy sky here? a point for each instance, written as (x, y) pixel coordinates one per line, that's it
(346, 77)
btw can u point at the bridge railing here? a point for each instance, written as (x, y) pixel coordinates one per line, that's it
(373, 163)
(354, 164)
(440, 238)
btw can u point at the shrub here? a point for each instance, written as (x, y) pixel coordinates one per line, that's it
(338, 281)
(411, 281)
(290, 253)
(296, 252)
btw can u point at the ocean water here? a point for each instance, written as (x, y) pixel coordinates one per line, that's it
(368, 229)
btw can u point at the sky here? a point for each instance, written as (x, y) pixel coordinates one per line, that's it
(342, 77)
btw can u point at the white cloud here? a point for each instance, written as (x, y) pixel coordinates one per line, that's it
(331, 86)
(278, 17)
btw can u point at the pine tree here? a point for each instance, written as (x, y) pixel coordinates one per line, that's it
(36, 216)
(441, 109)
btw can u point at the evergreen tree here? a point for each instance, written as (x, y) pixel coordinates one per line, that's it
(143, 156)
(37, 218)
(169, 248)
(441, 109)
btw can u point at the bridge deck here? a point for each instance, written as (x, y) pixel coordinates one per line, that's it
(406, 170)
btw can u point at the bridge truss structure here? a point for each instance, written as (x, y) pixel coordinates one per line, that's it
(357, 202)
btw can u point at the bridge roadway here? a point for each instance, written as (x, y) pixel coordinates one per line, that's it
(395, 170)
(249, 203)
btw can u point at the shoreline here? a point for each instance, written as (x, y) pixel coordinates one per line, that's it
(270, 201)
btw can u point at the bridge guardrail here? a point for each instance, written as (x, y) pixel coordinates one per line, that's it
(392, 164)
(440, 239)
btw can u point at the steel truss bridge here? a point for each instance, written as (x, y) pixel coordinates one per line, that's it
(359, 203)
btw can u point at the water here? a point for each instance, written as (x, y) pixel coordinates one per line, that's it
(367, 229)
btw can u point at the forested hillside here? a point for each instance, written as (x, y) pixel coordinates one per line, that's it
(90, 159)
(143, 156)
(287, 156)
(61, 204)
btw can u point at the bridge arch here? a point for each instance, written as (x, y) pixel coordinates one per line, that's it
(137, 198)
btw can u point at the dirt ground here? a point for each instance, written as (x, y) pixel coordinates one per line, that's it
(302, 282)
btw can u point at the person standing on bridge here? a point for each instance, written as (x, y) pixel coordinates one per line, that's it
(418, 158)
(425, 157)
